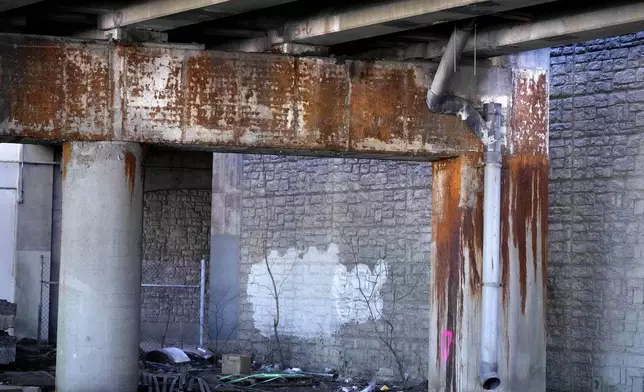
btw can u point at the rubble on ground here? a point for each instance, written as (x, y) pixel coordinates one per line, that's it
(7, 342)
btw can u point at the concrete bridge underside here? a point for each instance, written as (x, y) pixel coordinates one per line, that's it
(107, 102)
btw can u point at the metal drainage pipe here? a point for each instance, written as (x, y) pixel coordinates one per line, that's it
(487, 130)
(489, 365)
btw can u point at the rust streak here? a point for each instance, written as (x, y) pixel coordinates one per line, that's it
(524, 200)
(447, 269)
(130, 170)
(67, 155)
(529, 119)
(455, 225)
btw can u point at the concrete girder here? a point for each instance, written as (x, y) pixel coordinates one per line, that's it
(157, 14)
(54, 90)
(375, 20)
(6, 5)
(610, 20)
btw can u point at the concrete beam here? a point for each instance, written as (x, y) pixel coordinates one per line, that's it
(609, 20)
(54, 90)
(374, 20)
(6, 5)
(148, 12)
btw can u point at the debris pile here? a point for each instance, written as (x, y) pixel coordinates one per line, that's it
(7, 342)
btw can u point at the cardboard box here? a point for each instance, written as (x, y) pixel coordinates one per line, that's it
(235, 364)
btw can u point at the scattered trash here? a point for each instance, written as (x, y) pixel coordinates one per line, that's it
(345, 389)
(204, 353)
(348, 380)
(171, 355)
(270, 368)
(235, 364)
(268, 379)
(384, 388)
(370, 387)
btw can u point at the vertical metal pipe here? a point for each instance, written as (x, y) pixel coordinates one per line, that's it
(19, 190)
(202, 303)
(491, 251)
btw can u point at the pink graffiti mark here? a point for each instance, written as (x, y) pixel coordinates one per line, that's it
(446, 343)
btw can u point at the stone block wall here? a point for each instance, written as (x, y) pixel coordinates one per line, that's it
(342, 238)
(596, 217)
(176, 236)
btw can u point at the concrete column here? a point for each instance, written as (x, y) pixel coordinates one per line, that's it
(223, 307)
(455, 274)
(100, 271)
(457, 223)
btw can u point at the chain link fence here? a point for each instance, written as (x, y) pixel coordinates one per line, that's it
(172, 304)
(47, 289)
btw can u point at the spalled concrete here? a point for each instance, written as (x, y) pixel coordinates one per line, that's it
(100, 271)
(182, 96)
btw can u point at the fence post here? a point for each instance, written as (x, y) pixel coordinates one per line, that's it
(202, 303)
(42, 283)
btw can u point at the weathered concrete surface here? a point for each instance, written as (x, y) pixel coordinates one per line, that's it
(62, 90)
(33, 239)
(457, 219)
(226, 223)
(100, 269)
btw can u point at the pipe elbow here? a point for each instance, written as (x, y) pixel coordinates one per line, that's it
(489, 376)
(434, 101)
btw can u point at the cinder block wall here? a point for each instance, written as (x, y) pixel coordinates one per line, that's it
(335, 231)
(596, 222)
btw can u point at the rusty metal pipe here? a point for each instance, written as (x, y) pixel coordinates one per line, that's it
(490, 299)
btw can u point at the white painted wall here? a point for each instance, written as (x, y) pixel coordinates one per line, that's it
(317, 293)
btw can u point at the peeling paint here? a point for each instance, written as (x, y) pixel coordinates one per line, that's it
(314, 274)
(528, 133)
(65, 91)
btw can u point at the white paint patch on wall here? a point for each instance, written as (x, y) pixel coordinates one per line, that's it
(317, 293)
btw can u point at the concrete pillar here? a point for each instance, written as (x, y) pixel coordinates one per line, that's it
(455, 274)
(100, 271)
(223, 308)
(455, 277)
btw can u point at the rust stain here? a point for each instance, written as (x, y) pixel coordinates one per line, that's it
(323, 90)
(57, 89)
(153, 92)
(387, 104)
(67, 155)
(524, 219)
(529, 118)
(455, 226)
(130, 170)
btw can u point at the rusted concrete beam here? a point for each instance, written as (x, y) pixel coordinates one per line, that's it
(457, 222)
(56, 90)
